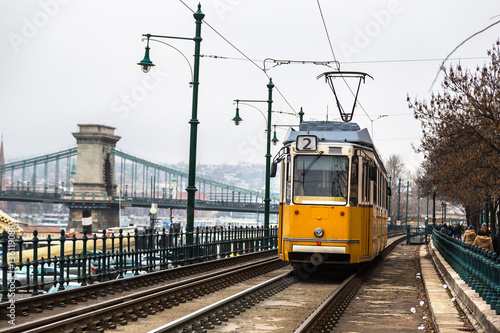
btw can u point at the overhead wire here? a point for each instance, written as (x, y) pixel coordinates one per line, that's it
(462, 43)
(327, 34)
(352, 62)
(246, 57)
(356, 101)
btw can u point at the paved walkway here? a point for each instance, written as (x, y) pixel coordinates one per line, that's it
(441, 303)
(392, 299)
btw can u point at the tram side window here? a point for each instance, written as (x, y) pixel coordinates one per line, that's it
(353, 197)
(288, 187)
(366, 182)
(283, 182)
(375, 189)
(384, 193)
(382, 190)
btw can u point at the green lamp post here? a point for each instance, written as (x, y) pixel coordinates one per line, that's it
(237, 120)
(146, 65)
(407, 192)
(399, 199)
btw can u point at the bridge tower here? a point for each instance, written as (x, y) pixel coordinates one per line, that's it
(94, 184)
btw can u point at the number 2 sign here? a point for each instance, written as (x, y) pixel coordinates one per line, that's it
(307, 142)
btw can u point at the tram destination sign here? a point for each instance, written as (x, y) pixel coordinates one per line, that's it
(307, 143)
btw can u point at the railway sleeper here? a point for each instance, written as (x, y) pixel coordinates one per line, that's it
(118, 319)
(93, 327)
(76, 329)
(165, 304)
(157, 306)
(60, 302)
(193, 294)
(214, 320)
(228, 312)
(34, 308)
(46, 305)
(206, 324)
(139, 312)
(149, 309)
(196, 327)
(129, 316)
(107, 323)
(173, 300)
(221, 315)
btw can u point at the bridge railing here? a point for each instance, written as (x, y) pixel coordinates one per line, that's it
(478, 267)
(34, 265)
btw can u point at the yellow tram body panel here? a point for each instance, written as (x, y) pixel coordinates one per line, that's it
(351, 234)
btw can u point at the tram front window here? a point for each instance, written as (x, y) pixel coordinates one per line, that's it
(320, 180)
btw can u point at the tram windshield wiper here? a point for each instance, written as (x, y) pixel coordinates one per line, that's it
(306, 170)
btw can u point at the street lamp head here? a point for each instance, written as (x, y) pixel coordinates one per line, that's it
(237, 119)
(275, 139)
(146, 63)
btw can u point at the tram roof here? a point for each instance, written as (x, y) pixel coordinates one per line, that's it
(331, 131)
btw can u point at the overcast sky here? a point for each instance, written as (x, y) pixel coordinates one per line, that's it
(65, 63)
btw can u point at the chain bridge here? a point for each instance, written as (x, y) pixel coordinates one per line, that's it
(94, 179)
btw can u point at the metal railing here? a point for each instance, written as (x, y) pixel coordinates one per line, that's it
(38, 264)
(478, 267)
(418, 235)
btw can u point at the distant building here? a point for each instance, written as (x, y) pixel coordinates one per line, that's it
(43, 232)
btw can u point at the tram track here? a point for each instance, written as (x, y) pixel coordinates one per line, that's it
(46, 302)
(326, 316)
(227, 308)
(129, 309)
(256, 308)
(106, 313)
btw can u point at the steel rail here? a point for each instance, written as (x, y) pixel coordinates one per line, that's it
(201, 313)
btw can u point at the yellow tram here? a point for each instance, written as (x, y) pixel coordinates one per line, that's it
(333, 195)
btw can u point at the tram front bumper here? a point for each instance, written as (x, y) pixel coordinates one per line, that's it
(317, 255)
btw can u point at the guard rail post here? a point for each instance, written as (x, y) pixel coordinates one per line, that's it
(84, 254)
(102, 259)
(35, 264)
(120, 251)
(5, 266)
(62, 239)
(136, 252)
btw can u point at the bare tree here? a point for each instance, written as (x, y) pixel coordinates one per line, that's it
(461, 137)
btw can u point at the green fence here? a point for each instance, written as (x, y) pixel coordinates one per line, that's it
(57, 261)
(418, 235)
(478, 267)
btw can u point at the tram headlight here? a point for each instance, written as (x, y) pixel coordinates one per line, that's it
(318, 232)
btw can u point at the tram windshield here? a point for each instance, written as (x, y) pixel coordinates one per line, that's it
(320, 179)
